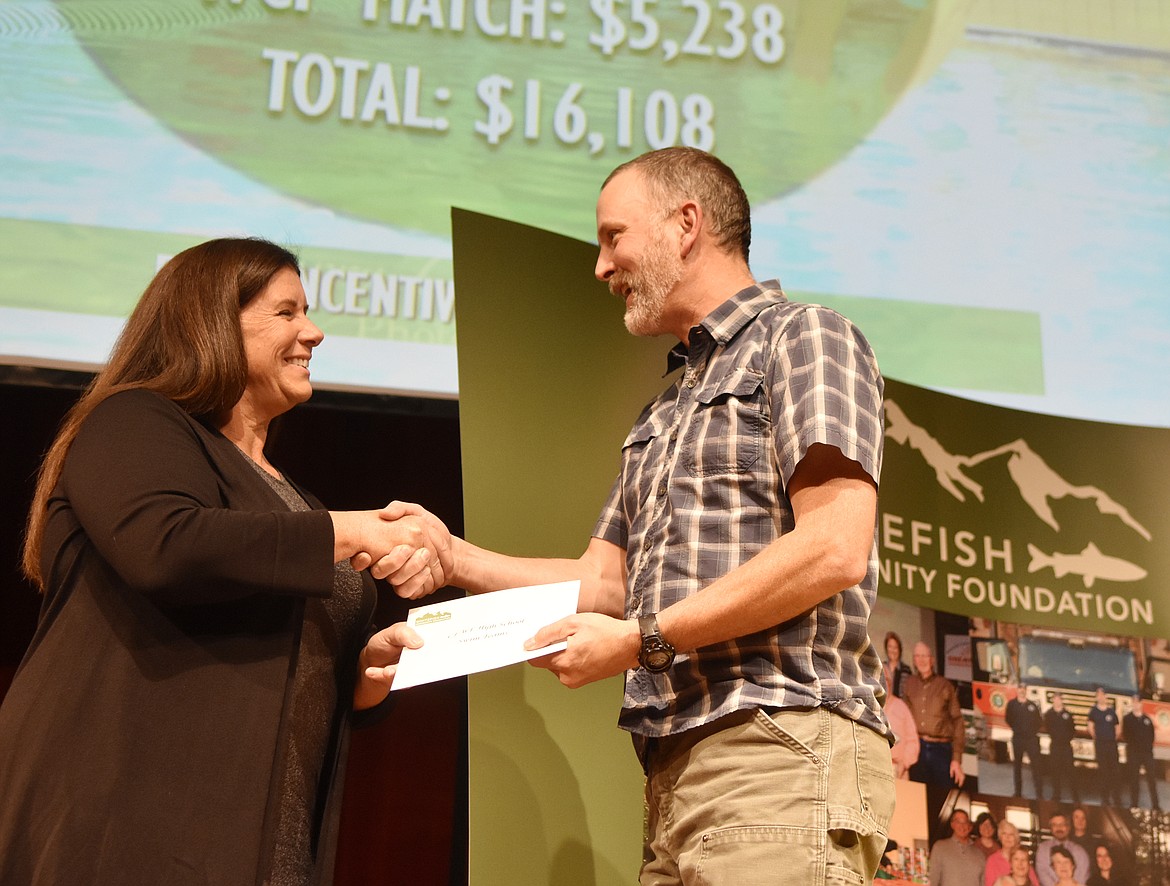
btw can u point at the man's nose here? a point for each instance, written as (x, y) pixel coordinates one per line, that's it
(603, 270)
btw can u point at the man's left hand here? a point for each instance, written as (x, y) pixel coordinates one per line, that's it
(598, 647)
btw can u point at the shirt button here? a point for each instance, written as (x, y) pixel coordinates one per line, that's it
(662, 489)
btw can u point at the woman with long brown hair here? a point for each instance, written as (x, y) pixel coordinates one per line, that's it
(182, 711)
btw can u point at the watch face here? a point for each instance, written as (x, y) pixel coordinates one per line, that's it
(656, 655)
(658, 658)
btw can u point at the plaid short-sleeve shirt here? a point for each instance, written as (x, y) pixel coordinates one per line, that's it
(702, 489)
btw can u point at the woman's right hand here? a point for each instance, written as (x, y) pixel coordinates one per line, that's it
(439, 544)
(407, 549)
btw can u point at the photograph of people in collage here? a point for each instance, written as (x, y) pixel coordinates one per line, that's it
(1025, 755)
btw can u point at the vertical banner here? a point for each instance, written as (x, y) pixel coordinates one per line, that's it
(550, 382)
(1029, 554)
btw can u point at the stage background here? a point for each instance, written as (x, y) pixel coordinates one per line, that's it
(983, 185)
(992, 172)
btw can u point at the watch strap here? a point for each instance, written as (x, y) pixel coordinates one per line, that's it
(648, 625)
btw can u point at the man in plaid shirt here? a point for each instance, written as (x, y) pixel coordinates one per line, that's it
(732, 570)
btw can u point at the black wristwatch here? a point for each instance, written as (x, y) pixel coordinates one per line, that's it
(656, 655)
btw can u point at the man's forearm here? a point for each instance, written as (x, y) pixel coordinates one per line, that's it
(600, 570)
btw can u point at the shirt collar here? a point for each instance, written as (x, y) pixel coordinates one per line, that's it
(723, 323)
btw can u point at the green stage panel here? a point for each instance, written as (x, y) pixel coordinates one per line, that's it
(550, 382)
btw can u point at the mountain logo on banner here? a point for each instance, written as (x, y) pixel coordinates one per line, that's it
(1038, 485)
(1018, 533)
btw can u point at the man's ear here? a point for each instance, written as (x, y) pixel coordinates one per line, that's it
(690, 216)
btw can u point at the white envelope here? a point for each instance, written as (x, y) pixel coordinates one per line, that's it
(483, 632)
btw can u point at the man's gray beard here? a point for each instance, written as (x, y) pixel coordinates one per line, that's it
(658, 273)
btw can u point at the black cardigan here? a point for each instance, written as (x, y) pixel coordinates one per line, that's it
(142, 736)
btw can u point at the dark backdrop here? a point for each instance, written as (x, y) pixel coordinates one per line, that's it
(405, 815)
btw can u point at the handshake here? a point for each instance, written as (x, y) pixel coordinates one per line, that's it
(403, 543)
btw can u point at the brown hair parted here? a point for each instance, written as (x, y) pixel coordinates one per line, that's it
(681, 173)
(182, 340)
(891, 635)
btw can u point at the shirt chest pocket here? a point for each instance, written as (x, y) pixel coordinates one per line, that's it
(726, 427)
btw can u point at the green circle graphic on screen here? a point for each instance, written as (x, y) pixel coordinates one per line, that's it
(396, 110)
